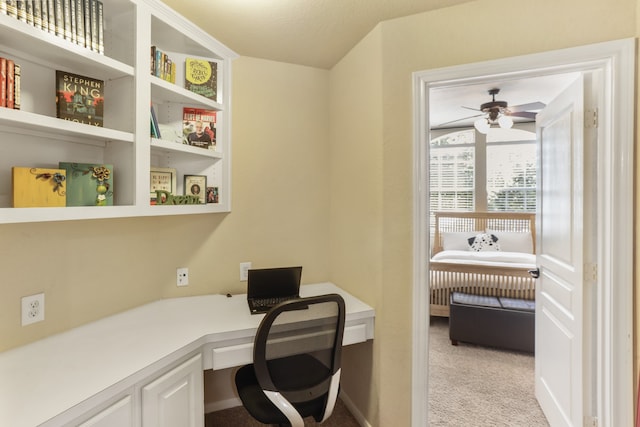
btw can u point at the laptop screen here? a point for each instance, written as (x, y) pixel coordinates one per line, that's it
(273, 282)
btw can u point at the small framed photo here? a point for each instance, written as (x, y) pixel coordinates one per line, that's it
(162, 179)
(212, 195)
(196, 185)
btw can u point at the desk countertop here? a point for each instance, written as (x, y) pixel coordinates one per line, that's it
(42, 379)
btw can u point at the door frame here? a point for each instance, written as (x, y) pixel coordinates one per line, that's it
(611, 324)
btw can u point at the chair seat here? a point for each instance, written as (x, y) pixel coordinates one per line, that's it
(289, 373)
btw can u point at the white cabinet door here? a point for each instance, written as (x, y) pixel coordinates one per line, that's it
(118, 414)
(175, 399)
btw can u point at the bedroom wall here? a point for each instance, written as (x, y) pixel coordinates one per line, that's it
(472, 32)
(90, 269)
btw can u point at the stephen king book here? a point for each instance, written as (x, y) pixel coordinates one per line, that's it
(79, 98)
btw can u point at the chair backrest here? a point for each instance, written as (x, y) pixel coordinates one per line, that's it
(296, 356)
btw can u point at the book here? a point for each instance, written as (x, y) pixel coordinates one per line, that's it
(10, 82)
(3, 82)
(80, 32)
(66, 19)
(3, 6)
(86, 8)
(16, 86)
(199, 127)
(79, 98)
(37, 14)
(58, 14)
(72, 19)
(29, 11)
(88, 184)
(155, 128)
(12, 8)
(93, 14)
(100, 27)
(51, 13)
(21, 6)
(201, 77)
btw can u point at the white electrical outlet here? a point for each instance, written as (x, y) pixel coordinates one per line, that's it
(244, 271)
(182, 278)
(32, 309)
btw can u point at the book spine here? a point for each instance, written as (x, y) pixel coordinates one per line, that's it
(158, 62)
(37, 14)
(16, 86)
(153, 60)
(66, 18)
(3, 82)
(94, 25)
(3, 6)
(10, 82)
(12, 10)
(100, 20)
(86, 8)
(21, 6)
(80, 23)
(51, 12)
(29, 11)
(59, 17)
(72, 18)
(173, 72)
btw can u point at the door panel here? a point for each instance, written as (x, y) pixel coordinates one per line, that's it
(559, 290)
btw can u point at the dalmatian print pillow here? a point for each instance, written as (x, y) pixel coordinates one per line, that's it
(484, 242)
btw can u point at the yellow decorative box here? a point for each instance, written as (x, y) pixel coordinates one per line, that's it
(38, 187)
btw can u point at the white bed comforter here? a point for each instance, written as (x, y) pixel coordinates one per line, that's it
(488, 258)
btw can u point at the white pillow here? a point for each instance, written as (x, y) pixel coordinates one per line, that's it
(484, 242)
(513, 241)
(457, 240)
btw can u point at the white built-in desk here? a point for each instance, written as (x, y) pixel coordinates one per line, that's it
(112, 366)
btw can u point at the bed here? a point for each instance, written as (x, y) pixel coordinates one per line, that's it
(481, 253)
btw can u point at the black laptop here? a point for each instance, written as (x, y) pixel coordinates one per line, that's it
(267, 287)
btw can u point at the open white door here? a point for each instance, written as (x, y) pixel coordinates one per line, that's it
(560, 256)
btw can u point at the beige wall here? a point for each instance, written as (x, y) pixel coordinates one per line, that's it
(472, 32)
(89, 269)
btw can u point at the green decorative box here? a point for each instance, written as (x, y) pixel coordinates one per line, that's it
(88, 184)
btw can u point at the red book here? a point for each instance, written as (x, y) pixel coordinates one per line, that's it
(3, 82)
(10, 82)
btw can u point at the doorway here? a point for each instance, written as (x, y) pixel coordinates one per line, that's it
(610, 401)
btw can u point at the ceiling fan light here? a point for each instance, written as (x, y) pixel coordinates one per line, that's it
(482, 125)
(505, 122)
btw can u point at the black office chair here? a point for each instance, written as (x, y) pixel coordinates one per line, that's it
(296, 362)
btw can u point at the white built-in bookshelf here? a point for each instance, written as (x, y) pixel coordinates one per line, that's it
(34, 137)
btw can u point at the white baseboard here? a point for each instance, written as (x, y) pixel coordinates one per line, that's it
(222, 404)
(354, 410)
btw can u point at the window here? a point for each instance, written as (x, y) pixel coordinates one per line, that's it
(495, 172)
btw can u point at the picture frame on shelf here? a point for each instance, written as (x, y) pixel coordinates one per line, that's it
(161, 179)
(213, 195)
(196, 185)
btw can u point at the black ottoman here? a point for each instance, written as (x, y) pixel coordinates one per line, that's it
(506, 323)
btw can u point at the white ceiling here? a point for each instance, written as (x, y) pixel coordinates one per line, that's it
(318, 33)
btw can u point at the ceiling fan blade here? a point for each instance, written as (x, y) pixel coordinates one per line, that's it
(525, 114)
(526, 107)
(470, 108)
(458, 120)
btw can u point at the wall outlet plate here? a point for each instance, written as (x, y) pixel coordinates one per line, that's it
(32, 309)
(182, 276)
(244, 271)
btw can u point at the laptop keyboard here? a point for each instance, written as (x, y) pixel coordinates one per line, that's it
(266, 302)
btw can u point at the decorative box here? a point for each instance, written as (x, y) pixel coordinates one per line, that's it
(38, 187)
(88, 184)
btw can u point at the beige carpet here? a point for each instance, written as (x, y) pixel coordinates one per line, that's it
(239, 417)
(476, 386)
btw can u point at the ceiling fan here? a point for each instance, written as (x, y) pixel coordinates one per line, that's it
(499, 112)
